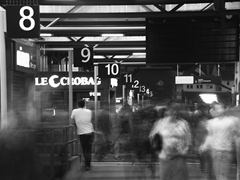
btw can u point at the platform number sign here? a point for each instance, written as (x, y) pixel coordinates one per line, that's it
(83, 56)
(23, 21)
(109, 70)
(135, 84)
(128, 78)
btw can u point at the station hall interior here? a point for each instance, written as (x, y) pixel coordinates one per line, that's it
(143, 53)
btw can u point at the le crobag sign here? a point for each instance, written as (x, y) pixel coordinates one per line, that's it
(57, 81)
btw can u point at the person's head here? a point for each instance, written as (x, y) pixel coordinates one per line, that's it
(175, 110)
(216, 109)
(81, 104)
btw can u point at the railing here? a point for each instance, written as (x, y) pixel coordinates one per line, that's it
(56, 147)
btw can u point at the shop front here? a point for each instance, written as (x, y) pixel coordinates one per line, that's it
(52, 94)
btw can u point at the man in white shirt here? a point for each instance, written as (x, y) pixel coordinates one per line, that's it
(82, 118)
(222, 131)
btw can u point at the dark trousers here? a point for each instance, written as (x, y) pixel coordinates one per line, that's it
(86, 143)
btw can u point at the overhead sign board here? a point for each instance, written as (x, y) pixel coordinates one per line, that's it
(23, 21)
(62, 81)
(83, 56)
(208, 80)
(109, 70)
(184, 79)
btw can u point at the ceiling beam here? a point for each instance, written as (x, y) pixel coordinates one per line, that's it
(96, 32)
(209, 6)
(57, 19)
(121, 59)
(92, 23)
(102, 43)
(143, 14)
(160, 7)
(177, 7)
(121, 2)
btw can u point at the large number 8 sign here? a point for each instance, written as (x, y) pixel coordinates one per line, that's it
(28, 17)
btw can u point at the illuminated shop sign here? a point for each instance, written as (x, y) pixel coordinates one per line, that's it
(55, 81)
(93, 94)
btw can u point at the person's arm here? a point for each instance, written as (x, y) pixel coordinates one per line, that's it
(72, 120)
(93, 120)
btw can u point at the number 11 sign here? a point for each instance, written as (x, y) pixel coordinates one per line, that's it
(23, 21)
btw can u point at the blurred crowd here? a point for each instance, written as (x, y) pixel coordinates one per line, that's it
(175, 134)
(165, 137)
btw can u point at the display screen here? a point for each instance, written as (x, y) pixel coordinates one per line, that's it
(184, 79)
(23, 59)
(25, 56)
(191, 40)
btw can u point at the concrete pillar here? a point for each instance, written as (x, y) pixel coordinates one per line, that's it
(95, 93)
(124, 93)
(3, 70)
(236, 81)
(237, 142)
(70, 93)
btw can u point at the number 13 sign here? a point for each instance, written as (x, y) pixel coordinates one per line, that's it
(23, 21)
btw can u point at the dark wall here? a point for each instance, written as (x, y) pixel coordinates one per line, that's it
(160, 81)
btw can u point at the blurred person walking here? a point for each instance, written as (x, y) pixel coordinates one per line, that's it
(221, 135)
(103, 133)
(123, 129)
(174, 134)
(83, 121)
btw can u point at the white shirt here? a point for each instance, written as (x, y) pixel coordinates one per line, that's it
(176, 137)
(82, 118)
(221, 133)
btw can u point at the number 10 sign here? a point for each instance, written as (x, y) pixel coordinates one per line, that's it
(23, 21)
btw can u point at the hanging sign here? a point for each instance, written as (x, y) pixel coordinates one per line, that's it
(83, 56)
(109, 70)
(55, 81)
(23, 21)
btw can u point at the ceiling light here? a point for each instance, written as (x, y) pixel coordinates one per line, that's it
(208, 98)
(112, 35)
(98, 57)
(138, 54)
(46, 34)
(121, 56)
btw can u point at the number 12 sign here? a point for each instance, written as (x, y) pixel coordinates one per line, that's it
(23, 21)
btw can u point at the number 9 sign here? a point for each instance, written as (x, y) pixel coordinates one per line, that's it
(23, 21)
(83, 56)
(86, 54)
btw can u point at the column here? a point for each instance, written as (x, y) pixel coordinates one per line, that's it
(70, 93)
(3, 76)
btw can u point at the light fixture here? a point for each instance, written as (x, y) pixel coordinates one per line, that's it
(114, 82)
(98, 57)
(184, 79)
(46, 34)
(121, 56)
(139, 54)
(112, 35)
(208, 98)
(237, 100)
